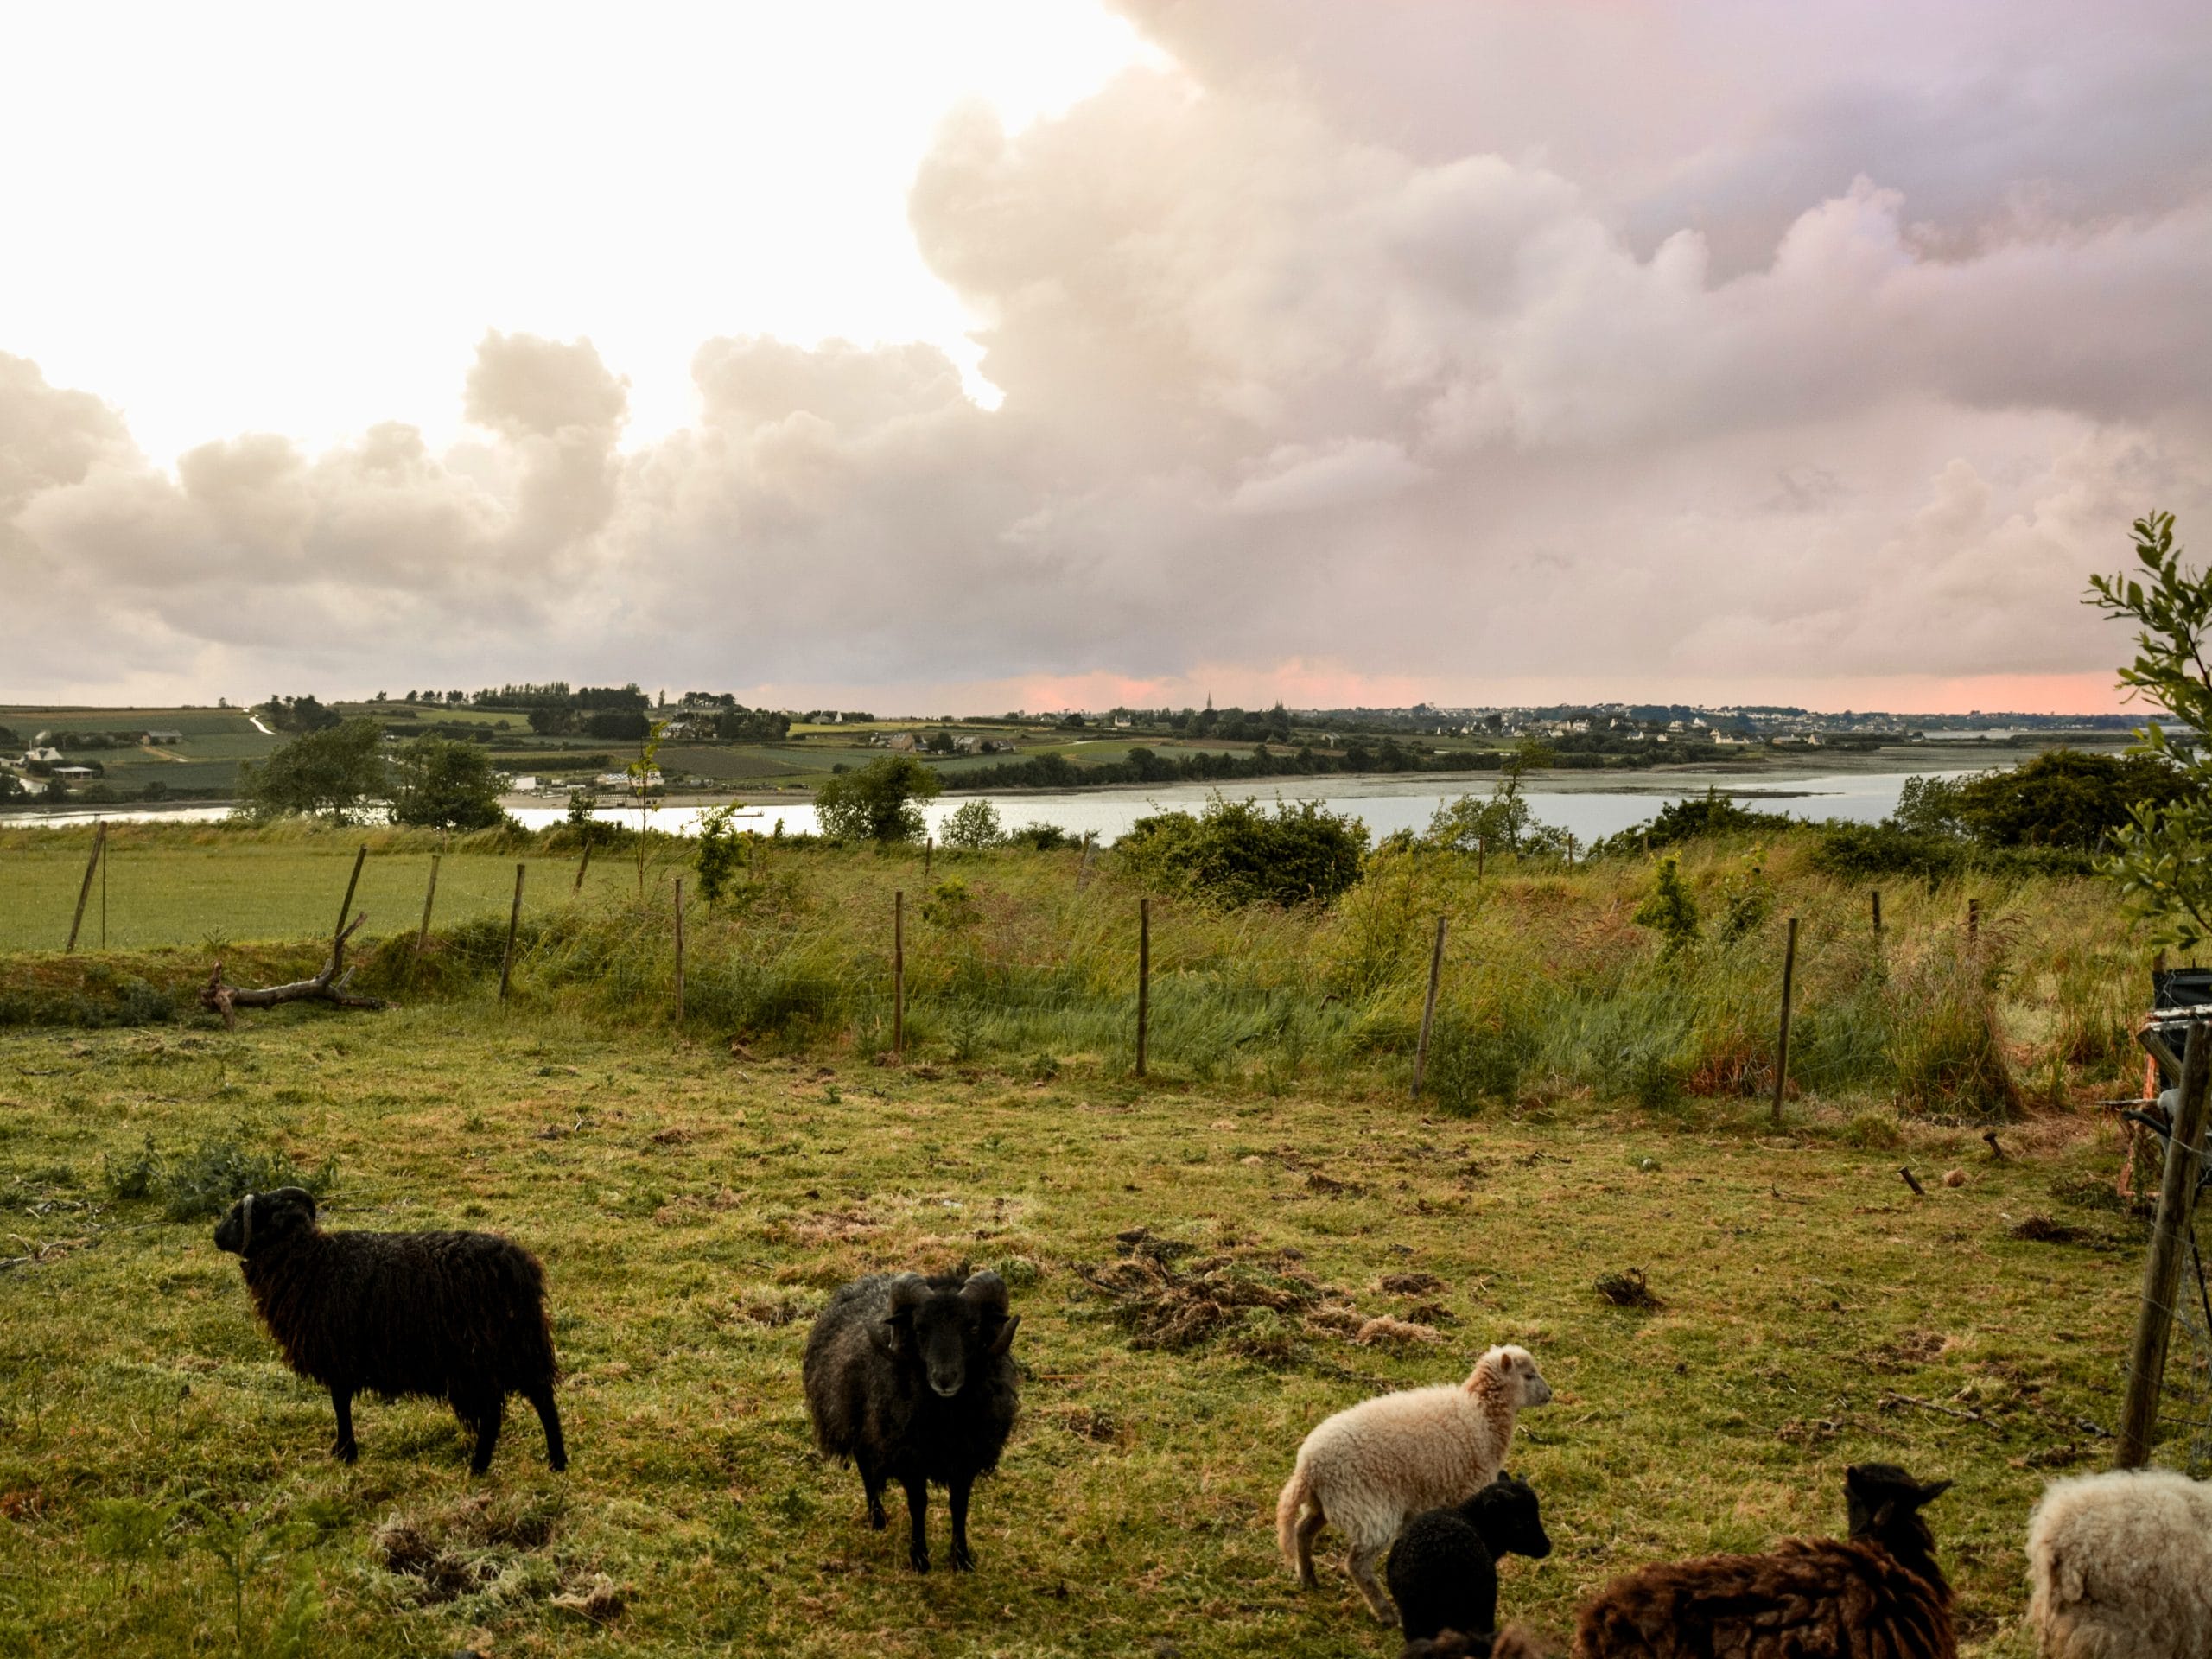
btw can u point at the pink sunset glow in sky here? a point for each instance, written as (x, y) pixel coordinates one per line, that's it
(1054, 354)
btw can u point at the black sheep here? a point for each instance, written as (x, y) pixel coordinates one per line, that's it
(1443, 1573)
(459, 1317)
(908, 1377)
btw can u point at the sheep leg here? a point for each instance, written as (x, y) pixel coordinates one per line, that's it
(487, 1424)
(556, 1448)
(1360, 1563)
(918, 1537)
(963, 1558)
(1309, 1528)
(872, 1484)
(341, 1402)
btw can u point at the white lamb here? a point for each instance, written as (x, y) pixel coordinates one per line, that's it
(1372, 1466)
(2121, 1566)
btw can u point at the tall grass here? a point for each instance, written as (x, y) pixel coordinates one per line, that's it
(1549, 986)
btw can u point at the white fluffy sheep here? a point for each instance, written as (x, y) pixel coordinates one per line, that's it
(2121, 1566)
(1368, 1468)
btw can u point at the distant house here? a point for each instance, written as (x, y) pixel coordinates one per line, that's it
(968, 745)
(902, 743)
(524, 784)
(42, 757)
(162, 738)
(72, 773)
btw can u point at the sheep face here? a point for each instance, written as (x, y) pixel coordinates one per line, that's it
(1511, 1522)
(261, 1219)
(1879, 1495)
(1524, 1383)
(949, 1336)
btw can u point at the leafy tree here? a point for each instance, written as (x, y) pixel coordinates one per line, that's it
(298, 714)
(1240, 854)
(439, 784)
(1503, 823)
(336, 772)
(2163, 860)
(2065, 799)
(626, 725)
(552, 721)
(974, 826)
(877, 803)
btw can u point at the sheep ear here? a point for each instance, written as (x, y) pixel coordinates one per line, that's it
(889, 1335)
(1931, 1492)
(1004, 1340)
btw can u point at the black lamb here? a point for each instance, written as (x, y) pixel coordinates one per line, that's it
(908, 1377)
(1443, 1572)
(459, 1317)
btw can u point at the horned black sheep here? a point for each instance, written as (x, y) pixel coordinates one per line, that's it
(909, 1378)
(1443, 1572)
(1877, 1595)
(459, 1317)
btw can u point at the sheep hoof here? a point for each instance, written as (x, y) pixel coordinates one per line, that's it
(346, 1451)
(876, 1518)
(559, 1465)
(918, 1561)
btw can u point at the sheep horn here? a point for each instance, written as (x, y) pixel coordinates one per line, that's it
(987, 1289)
(908, 1292)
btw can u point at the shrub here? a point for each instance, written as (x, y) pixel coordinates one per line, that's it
(1669, 910)
(1471, 1061)
(973, 826)
(210, 1177)
(877, 803)
(1238, 853)
(1039, 838)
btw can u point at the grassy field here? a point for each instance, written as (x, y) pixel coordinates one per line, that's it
(167, 1488)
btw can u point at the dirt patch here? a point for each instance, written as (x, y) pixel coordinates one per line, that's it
(2042, 1229)
(1261, 1304)
(1907, 1349)
(461, 1549)
(1628, 1290)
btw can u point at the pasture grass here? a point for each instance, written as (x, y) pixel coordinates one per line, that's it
(168, 1489)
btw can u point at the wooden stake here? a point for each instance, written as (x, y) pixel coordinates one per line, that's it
(514, 921)
(1781, 1045)
(2146, 1357)
(103, 899)
(898, 975)
(1877, 913)
(1429, 1008)
(1144, 977)
(929, 851)
(430, 898)
(345, 904)
(582, 865)
(1973, 923)
(84, 893)
(1481, 850)
(679, 950)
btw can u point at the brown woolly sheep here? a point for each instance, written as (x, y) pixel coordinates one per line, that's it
(1880, 1595)
(1514, 1642)
(459, 1317)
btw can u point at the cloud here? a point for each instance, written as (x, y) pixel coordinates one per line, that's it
(1295, 393)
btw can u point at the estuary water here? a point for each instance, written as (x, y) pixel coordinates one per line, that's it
(1588, 806)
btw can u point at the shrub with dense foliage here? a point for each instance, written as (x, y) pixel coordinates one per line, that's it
(879, 803)
(439, 784)
(334, 773)
(1239, 853)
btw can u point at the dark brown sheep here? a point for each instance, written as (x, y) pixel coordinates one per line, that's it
(459, 1317)
(1878, 1595)
(1514, 1642)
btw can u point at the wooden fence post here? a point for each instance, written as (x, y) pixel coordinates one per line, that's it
(1429, 1008)
(514, 921)
(583, 865)
(1877, 913)
(929, 852)
(103, 896)
(345, 904)
(1144, 977)
(1782, 1044)
(679, 950)
(1481, 852)
(2147, 1356)
(898, 975)
(1973, 923)
(84, 891)
(430, 898)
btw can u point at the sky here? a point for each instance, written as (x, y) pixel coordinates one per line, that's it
(1040, 354)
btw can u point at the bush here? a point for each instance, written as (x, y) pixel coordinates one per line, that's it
(1039, 838)
(974, 826)
(1669, 910)
(877, 803)
(209, 1178)
(1238, 853)
(1474, 1061)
